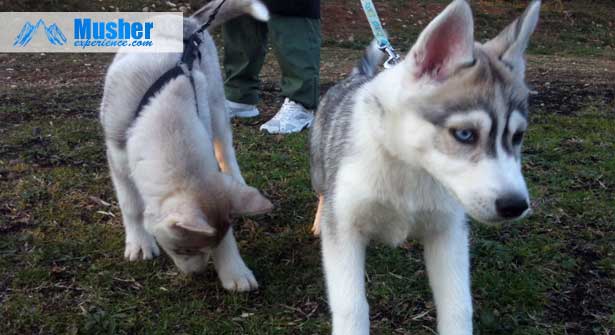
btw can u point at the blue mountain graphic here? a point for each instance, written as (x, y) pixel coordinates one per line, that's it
(53, 32)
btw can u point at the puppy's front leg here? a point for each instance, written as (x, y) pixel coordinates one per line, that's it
(447, 260)
(139, 243)
(232, 271)
(344, 262)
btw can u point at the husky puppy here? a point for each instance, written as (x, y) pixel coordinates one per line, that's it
(174, 170)
(409, 151)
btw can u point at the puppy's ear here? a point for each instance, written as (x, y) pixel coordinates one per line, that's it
(445, 45)
(245, 200)
(510, 45)
(189, 224)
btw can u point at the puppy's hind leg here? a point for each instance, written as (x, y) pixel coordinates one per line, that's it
(343, 249)
(447, 260)
(232, 271)
(138, 240)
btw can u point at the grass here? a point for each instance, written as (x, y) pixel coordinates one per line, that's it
(566, 28)
(61, 239)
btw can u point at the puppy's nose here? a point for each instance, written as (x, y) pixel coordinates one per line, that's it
(511, 206)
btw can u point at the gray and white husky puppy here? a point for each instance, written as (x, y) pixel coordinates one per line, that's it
(174, 170)
(409, 151)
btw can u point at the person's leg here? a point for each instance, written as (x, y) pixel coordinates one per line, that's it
(296, 41)
(245, 46)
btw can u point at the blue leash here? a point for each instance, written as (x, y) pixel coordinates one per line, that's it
(379, 34)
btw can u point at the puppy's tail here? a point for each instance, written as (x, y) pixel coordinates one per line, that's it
(372, 58)
(230, 9)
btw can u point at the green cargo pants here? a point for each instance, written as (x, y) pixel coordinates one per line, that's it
(296, 43)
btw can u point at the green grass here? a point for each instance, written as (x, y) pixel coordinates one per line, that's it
(570, 29)
(62, 270)
(61, 248)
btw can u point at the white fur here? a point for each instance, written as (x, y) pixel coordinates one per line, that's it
(232, 271)
(177, 164)
(424, 210)
(395, 185)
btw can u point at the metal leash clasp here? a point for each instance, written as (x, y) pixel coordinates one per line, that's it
(393, 56)
(379, 33)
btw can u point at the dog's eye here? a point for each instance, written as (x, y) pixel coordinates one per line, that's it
(517, 138)
(465, 136)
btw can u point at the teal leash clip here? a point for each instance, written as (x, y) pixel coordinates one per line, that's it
(379, 34)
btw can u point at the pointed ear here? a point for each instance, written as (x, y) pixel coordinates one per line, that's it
(246, 200)
(511, 43)
(445, 45)
(189, 224)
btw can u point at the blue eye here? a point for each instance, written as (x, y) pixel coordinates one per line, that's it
(465, 136)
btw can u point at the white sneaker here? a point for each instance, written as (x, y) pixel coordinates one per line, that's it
(291, 118)
(236, 109)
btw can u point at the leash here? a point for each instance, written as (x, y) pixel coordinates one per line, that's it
(184, 66)
(381, 37)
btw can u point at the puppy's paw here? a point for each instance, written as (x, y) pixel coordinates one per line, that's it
(144, 245)
(237, 278)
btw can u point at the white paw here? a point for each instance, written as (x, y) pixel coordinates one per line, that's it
(144, 244)
(237, 278)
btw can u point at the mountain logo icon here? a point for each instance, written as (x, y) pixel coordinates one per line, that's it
(53, 32)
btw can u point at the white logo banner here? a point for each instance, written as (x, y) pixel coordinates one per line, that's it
(91, 32)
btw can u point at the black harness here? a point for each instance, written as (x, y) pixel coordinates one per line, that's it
(184, 66)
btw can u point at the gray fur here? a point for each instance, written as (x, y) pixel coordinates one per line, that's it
(332, 121)
(372, 58)
(329, 133)
(492, 80)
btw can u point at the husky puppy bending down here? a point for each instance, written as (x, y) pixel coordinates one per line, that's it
(410, 151)
(174, 170)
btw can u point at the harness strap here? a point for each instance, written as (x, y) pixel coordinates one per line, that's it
(191, 50)
(171, 74)
(184, 66)
(211, 18)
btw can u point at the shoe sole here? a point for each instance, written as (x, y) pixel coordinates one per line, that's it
(308, 125)
(246, 114)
